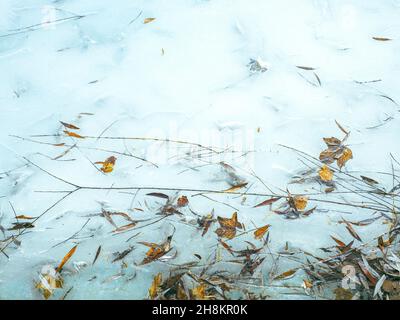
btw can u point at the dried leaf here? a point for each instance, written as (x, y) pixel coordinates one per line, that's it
(21, 225)
(108, 164)
(332, 142)
(369, 180)
(305, 68)
(300, 202)
(352, 231)
(97, 255)
(125, 227)
(148, 20)
(260, 232)
(285, 274)
(155, 286)
(182, 201)
(69, 126)
(381, 39)
(341, 128)
(158, 195)
(340, 243)
(25, 217)
(66, 258)
(199, 292)
(235, 188)
(325, 173)
(346, 156)
(266, 202)
(73, 134)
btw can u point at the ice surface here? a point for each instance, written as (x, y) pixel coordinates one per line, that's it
(184, 76)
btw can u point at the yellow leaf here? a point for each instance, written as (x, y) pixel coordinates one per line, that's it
(66, 258)
(307, 284)
(300, 202)
(260, 232)
(199, 292)
(235, 188)
(346, 156)
(325, 173)
(148, 20)
(108, 164)
(25, 217)
(285, 274)
(73, 134)
(154, 288)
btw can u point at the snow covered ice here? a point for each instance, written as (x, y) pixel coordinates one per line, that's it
(227, 82)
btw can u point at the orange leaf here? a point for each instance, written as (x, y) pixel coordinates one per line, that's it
(25, 217)
(346, 156)
(73, 134)
(235, 188)
(285, 274)
(66, 258)
(154, 288)
(260, 232)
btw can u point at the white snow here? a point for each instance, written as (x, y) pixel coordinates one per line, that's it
(184, 76)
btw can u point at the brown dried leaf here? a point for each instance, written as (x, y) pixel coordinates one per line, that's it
(158, 195)
(148, 20)
(25, 217)
(340, 243)
(332, 142)
(182, 201)
(266, 202)
(381, 39)
(69, 126)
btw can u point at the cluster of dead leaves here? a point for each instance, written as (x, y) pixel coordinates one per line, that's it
(336, 151)
(295, 207)
(50, 277)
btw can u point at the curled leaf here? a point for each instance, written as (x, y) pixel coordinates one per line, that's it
(108, 164)
(346, 156)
